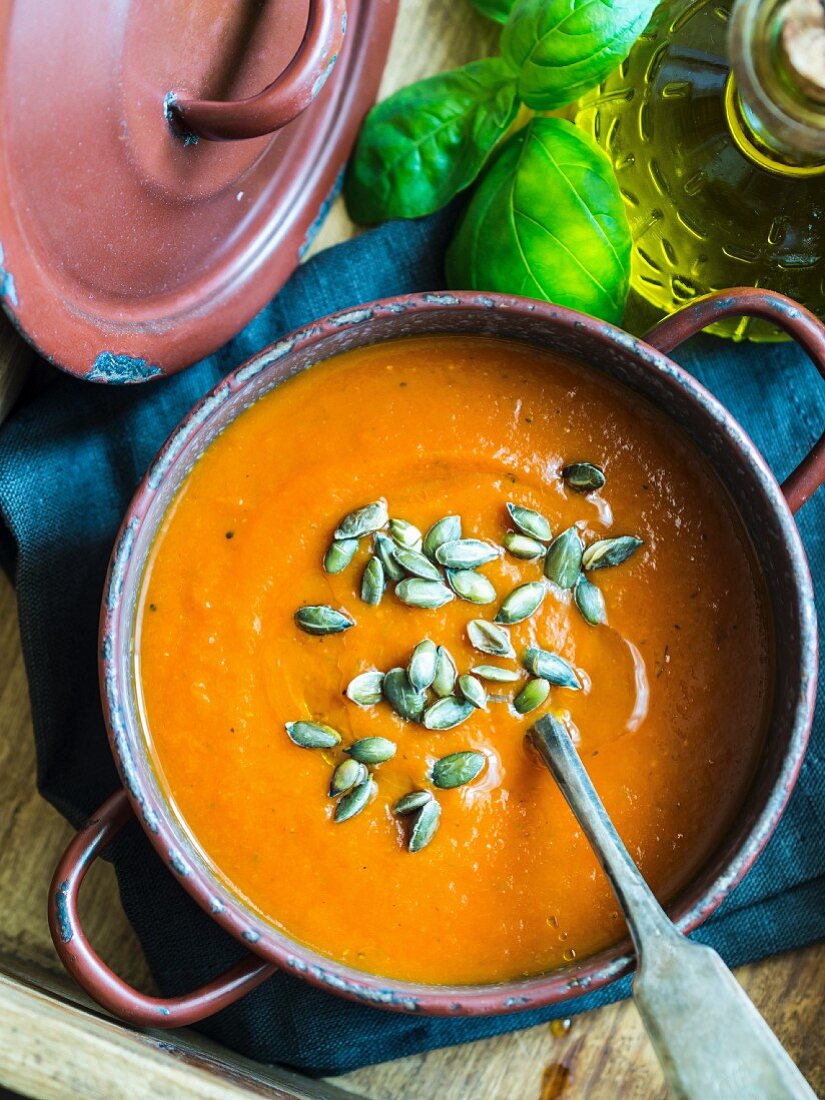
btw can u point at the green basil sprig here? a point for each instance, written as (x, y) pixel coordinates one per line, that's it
(561, 48)
(429, 141)
(497, 10)
(547, 221)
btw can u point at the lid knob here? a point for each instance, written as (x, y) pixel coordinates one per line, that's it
(282, 100)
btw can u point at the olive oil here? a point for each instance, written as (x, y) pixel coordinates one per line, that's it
(715, 125)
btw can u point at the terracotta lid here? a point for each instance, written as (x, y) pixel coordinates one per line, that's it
(147, 208)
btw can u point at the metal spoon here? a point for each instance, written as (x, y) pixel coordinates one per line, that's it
(708, 1036)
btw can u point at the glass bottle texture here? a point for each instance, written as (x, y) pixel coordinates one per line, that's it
(715, 125)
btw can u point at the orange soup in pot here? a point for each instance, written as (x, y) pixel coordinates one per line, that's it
(371, 585)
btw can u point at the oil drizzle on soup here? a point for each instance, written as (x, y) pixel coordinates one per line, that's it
(670, 723)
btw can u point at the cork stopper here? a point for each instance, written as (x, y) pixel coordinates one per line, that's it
(802, 40)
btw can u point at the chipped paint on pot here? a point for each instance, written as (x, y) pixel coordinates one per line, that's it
(8, 289)
(121, 369)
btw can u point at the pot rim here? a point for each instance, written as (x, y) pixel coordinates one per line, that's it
(169, 834)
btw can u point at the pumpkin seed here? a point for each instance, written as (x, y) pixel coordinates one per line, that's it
(411, 802)
(532, 695)
(583, 477)
(473, 691)
(354, 802)
(347, 775)
(372, 750)
(312, 735)
(339, 555)
(589, 601)
(530, 522)
(416, 592)
(522, 546)
(495, 674)
(444, 530)
(522, 602)
(425, 826)
(563, 562)
(413, 561)
(365, 688)
(466, 553)
(321, 619)
(551, 667)
(471, 586)
(421, 669)
(487, 637)
(405, 534)
(447, 713)
(385, 552)
(363, 521)
(373, 582)
(607, 552)
(402, 696)
(457, 769)
(445, 672)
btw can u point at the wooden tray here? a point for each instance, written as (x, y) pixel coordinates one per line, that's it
(55, 1044)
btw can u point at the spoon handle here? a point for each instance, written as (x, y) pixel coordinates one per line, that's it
(709, 1038)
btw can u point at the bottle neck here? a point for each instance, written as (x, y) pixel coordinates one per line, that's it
(775, 96)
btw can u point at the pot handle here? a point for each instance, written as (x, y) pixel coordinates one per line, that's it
(806, 329)
(89, 970)
(280, 102)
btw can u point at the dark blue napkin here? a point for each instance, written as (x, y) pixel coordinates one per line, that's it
(71, 456)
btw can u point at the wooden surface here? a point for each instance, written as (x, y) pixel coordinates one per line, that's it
(50, 1047)
(83, 1053)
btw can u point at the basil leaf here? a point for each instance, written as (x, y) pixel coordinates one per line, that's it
(429, 141)
(565, 47)
(494, 9)
(547, 221)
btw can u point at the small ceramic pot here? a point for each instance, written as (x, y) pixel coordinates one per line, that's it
(643, 365)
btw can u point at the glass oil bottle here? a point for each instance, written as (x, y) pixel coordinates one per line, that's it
(715, 125)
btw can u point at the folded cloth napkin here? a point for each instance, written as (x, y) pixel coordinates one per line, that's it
(71, 456)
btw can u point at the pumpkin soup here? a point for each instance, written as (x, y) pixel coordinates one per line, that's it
(369, 587)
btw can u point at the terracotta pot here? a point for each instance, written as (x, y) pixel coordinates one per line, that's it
(643, 365)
